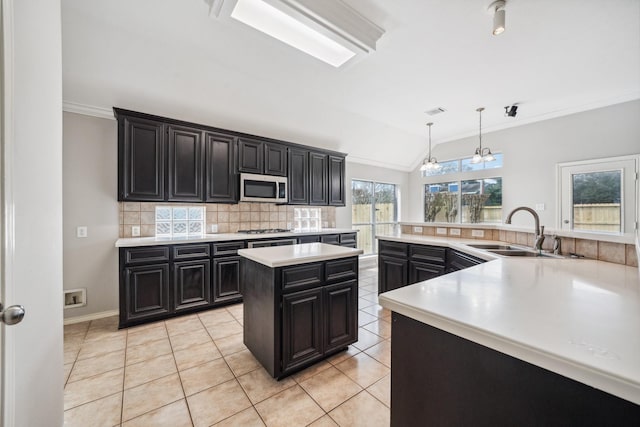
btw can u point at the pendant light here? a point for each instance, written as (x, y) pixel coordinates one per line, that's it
(430, 163)
(482, 154)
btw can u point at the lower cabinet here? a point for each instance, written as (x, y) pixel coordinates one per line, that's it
(146, 292)
(226, 279)
(297, 315)
(392, 273)
(157, 282)
(420, 271)
(191, 284)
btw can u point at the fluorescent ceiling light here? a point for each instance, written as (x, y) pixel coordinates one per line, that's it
(317, 28)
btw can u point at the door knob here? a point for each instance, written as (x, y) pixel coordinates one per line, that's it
(11, 315)
(566, 221)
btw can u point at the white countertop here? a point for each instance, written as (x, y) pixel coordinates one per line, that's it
(579, 318)
(281, 256)
(222, 237)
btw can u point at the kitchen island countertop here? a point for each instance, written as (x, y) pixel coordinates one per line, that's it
(281, 256)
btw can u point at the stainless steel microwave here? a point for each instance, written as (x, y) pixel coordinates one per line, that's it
(263, 188)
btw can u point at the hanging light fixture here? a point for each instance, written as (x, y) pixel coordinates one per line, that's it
(430, 163)
(482, 154)
(497, 9)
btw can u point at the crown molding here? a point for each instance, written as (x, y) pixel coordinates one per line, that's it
(88, 110)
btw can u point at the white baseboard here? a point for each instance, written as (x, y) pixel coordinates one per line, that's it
(368, 261)
(93, 316)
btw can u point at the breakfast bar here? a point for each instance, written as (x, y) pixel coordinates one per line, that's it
(300, 303)
(518, 342)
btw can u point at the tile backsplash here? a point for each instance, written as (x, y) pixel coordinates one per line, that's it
(228, 217)
(618, 253)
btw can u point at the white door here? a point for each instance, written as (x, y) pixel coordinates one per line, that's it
(31, 228)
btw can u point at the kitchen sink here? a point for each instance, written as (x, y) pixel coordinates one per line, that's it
(492, 246)
(519, 252)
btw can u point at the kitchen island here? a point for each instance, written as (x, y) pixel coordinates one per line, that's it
(300, 303)
(518, 342)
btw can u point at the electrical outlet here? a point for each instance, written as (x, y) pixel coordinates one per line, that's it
(442, 231)
(288, 226)
(135, 231)
(214, 228)
(539, 206)
(81, 232)
(417, 229)
(454, 231)
(477, 233)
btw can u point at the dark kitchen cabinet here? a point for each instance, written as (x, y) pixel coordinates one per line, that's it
(191, 284)
(221, 180)
(275, 159)
(336, 181)
(301, 328)
(341, 303)
(330, 239)
(392, 273)
(457, 260)
(141, 159)
(261, 157)
(318, 185)
(144, 293)
(226, 279)
(426, 262)
(297, 315)
(250, 156)
(186, 163)
(298, 176)
(349, 240)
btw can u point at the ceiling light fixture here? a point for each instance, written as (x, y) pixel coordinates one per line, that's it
(511, 111)
(497, 9)
(430, 163)
(328, 30)
(482, 154)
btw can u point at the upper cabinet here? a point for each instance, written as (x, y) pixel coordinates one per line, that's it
(221, 180)
(141, 159)
(298, 176)
(186, 162)
(337, 182)
(261, 157)
(167, 160)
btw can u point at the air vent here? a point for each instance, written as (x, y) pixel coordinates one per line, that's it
(435, 111)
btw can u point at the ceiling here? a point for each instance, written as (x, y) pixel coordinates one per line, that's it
(168, 57)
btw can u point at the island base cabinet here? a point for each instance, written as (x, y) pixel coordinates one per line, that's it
(146, 293)
(341, 307)
(450, 381)
(301, 328)
(191, 284)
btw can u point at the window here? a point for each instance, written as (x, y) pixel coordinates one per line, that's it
(599, 196)
(463, 192)
(307, 219)
(374, 209)
(179, 221)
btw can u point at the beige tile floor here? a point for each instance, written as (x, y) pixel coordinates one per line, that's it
(195, 371)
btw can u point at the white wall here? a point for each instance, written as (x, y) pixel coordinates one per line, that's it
(34, 175)
(532, 151)
(90, 181)
(377, 174)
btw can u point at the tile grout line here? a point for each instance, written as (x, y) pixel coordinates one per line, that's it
(175, 363)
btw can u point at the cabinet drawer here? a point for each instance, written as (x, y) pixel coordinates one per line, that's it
(396, 249)
(146, 254)
(331, 239)
(308, 239)
(429, 254)
(227, 248)
(297, 278)
(349, 239)
(191, 251)
(343, 269)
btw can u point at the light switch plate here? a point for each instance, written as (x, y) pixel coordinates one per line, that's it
(442, 231)
(135, 231)
(454, 231)
(477, 233)
(81, 231)
(417, 229)
(539, 206)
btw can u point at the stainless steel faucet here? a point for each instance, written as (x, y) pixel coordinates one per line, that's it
(539, 230)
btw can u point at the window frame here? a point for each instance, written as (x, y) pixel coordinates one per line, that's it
(629, 198)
